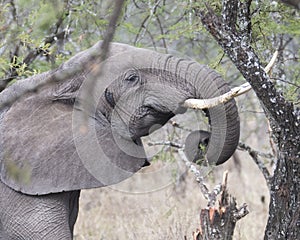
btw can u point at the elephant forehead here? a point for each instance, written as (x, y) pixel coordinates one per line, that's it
(166, 93)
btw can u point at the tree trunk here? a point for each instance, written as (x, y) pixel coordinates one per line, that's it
(284, 209)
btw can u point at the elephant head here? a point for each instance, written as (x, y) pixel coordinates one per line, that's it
(59, 145)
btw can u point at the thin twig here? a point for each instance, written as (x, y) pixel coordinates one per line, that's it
(286, 81)
(162, 33)
(242, 146)
(145, 22)
(165, 143)
(177, 125)
(254, 155)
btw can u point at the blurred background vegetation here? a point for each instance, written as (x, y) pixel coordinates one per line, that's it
(37, 35)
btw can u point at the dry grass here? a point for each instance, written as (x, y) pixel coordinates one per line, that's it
(151, 205)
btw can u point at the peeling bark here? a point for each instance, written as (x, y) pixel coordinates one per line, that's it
(233, 34)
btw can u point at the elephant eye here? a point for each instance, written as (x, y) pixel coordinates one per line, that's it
(109, 98)
(132, 76)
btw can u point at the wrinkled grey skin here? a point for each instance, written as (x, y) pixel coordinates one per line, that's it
(48, 153)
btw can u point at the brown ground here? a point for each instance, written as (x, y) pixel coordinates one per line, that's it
(155, 205)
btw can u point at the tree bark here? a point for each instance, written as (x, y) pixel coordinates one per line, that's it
(232, 31)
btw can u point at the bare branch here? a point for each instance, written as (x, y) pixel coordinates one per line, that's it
(166, 143)
(144, 26)
(254, 155)
(211, 197)
(237, 91)
(97, 64)
(162, 33)
(177, 125)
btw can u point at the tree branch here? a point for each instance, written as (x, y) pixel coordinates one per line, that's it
(211, 197)
(254, 155)
(145, 22)
(87, 92)
(166, 143)
(33, 54)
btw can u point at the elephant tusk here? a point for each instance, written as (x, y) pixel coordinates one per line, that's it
(234, 92)
(272, 62)
(212, 102)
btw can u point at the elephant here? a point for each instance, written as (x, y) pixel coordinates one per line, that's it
(66, 136)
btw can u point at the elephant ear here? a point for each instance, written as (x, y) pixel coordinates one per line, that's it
(45, 147)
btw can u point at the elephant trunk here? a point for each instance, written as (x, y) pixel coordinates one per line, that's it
(204, 83)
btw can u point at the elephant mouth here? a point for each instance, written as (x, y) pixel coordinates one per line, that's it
(147, 119)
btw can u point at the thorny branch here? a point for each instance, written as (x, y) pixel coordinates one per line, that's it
(165, 143)
(211, 197)
(34, 53)
(177, 125)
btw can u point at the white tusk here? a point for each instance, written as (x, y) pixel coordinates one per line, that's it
(234, 92)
